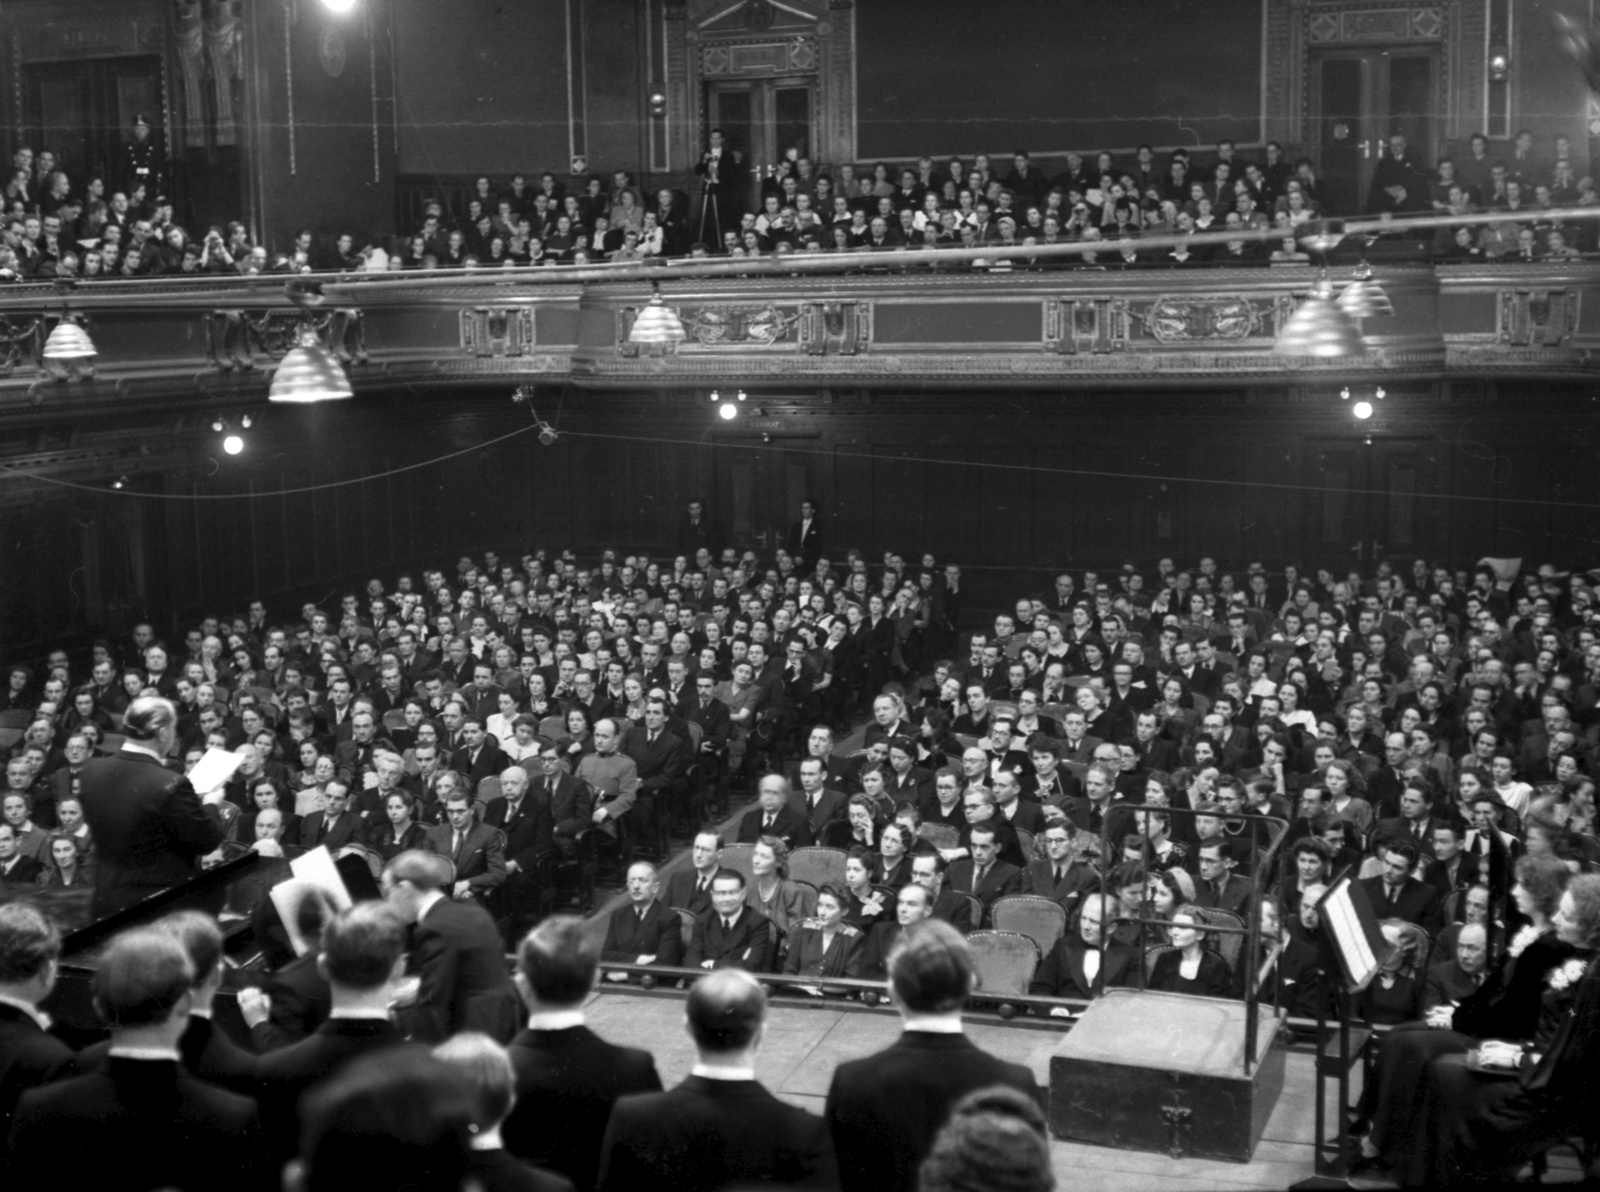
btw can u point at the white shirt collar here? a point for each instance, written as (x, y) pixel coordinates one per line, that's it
(123, 1052)
(555, 1020)
(426, 902)
(933, 1024)
(199, 1013)
(141, 747)
(33, 1012)
(360, 1014)
(711, 1073)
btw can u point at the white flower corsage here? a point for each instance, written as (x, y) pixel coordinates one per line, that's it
(1522, 939)
(1568, 974)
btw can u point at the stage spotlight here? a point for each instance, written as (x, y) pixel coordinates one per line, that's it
(233, 444)
(1362, 410)
(120, 482)
(547, 435)
(716, 396)
(743, 396)
(728, 410)
(216, 424)
(244, 421)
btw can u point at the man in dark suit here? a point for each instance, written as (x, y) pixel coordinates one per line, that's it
(929, 870)
(912, 904)
(479, 756)
(201, 1137)
(774, 816)
(1461, 976)
(662, 760)
(696, 531)
(570, 799)
(1219, 887)
(335, 825)
(476, 850)
(984, 875)
(363, 959)
(805, 536)
(568, 1078)
(30, 947)
(1395, 894)
(1061, 876)
(814, 800)
(15, 868)
(730, 934)
(150, 827)
(456, 955)
(644, 930)
(1451, 867)
(884, 1111)
(719, 1128)
(1386, 783)
(1416, 820)
(1075, 967)
(525, 820)
(690, 889)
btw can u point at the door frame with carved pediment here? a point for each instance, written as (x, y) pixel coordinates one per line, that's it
(716, 43)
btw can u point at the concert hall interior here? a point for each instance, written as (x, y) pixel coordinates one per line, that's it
(857, 492)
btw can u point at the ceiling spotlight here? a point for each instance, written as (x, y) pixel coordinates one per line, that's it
(1344, 394)
(716, 396)
(743, 396)
(244, 421)
(1362, 410)
(233, 444)
(1379, 393)
(120, 482)
(547, 434)
(728, 410)
(217, 424)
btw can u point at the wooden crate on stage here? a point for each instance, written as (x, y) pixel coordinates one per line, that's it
(1147, 1071)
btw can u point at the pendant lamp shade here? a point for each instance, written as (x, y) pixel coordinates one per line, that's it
(1319, 329)
(309, 373)
(68, 341)
(657, 323)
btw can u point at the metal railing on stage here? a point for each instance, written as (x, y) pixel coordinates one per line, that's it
(1261, 861)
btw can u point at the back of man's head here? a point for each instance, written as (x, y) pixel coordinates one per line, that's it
(402, 1118)
(424, 870)
(486, 1068)
(142, 975)
(725, 1011)
(557, 960)
(147, 716)
(28, 942)
(930, 969)
(360, 946)
(200, 937)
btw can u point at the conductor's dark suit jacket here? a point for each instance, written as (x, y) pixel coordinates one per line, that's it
(884, 1111)
(150, 828)
(285, 1075)
(458, 953)
(567, 1082)
(713, 1134)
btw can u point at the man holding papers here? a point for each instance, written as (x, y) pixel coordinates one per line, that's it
(150, 827)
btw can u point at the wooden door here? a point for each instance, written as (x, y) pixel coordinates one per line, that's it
(1369, 508)
(1361, 98)
(760, 487)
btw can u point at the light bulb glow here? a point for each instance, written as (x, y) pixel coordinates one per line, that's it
(1362, 409)
(339, 7)
(728, 410)
(233, 444)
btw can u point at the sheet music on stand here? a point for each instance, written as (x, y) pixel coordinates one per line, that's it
(1357, 937)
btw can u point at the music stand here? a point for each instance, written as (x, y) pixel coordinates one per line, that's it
(1351, 927)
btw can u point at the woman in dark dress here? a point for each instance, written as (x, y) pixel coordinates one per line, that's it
(893, 866)
(398, 831)
(1472, 1124)
(865, 905)
(1505, 1006)
(1189, 967)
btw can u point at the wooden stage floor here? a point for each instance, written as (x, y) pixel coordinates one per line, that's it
(803, 1044)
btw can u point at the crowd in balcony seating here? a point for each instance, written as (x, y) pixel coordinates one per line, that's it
(55, 225)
